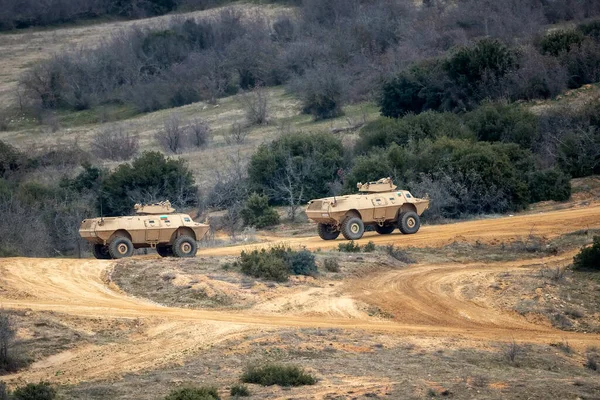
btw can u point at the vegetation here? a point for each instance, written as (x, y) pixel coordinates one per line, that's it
(351, 247)
(277, 374)
(258, 213)
(331, 264)
(7, 336)
(202, 393)
(277, 263)
(35, 391)
(239, 391)
(589, 257)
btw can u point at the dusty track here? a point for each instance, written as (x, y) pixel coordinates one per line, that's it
(547, 224)
(426, 300)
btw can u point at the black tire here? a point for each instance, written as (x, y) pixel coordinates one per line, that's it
(328, 232)
(185, 246)
(385, 229)
(120, 247)
(164, 251)
(101, 252)
(409, 222)
(353, 228)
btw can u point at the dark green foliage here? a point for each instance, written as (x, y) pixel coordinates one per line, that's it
(11, 160)
(150, 177)
(369, 247)
(591, 29)
(202, 393)
(496, 122)
(322, 93)
(428, 125)
(550, 184)
(589, 257)
(487, 59)
(277, 263)
(240, 391)
(349, 247)
(560, 41)
(258, 213)
(314, 157)
(35, 391)
(277, 374)
(331, 265)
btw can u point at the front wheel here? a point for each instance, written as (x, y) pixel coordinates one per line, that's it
(101, 252)
(327, 232)
(353, 228)
(185, 246)
(120, 247)
(409, 223)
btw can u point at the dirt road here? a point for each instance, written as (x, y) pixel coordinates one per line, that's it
(546, 224)
(426, 300)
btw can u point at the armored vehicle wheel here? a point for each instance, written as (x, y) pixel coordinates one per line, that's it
(409, 222)
(328, 232)
(101, 252)
(164, 251)
(353, 228)
(185, 246)
(385, 229)
(120, 247)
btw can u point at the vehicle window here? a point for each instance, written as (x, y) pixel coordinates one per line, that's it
(408, 196)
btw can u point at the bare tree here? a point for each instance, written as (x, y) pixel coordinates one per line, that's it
(114, 143)
(256, 105)
(173, 136)
(233, 221)
(199, 133)
(291, 186)
(237, 134)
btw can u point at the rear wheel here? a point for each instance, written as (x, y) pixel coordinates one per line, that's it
(120, 247)
(164, 251)
(353, 228)
(185, 246)
(328, 232)
(385, 229)
(101, 252)
(409, 222)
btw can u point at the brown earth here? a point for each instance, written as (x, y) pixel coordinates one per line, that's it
(426, 301)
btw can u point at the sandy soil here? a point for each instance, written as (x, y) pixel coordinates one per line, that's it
(425, 300)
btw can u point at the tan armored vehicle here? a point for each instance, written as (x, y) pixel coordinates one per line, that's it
(154, 225)
(379, 205)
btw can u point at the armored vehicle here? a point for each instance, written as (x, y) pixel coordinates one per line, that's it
(378, 204)
(154, 225)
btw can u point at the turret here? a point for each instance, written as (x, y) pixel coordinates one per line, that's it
(164, 207)
(382, 185)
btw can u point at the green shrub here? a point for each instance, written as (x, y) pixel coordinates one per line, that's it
(258, 213)
(240, 391)
(589, 257)
(201, 393)
(369, 247)
(550, 184)
(321, 91)
(560, 41)
(331, 265)
(277, 374)
(349, 247)
(35, 391)
(277, 263)
(495, 122)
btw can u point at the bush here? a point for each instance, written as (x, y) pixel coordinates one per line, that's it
(237, 134)
(560, 41)
(3, 391)
(258, 213)
(148, 178)
(369, 247)
(496, 122)
(349, 247)
(256, 105)
(35, 391)
(277, 263)
(550, 184)
(113, 143)
(591, 29)
(592, 359)
(7, 335)
(173, 137)
(277, 374)
(199, 133)
(240, 391)
(321, 91)
(398, 254)
(588, 257)
(331, 265)
(202, 393)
